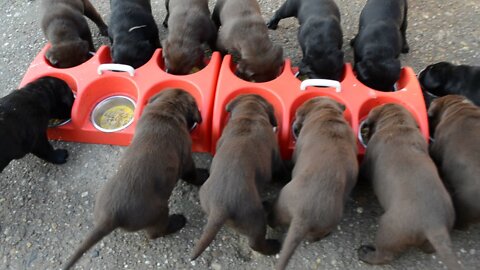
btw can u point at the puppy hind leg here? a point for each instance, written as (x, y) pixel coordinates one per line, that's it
(403, 30)
(175, 223)
(193, 175)
(285, 11)
(165, 21)
(92, 14)
(388, 244)
(257, 241)
(44, 150)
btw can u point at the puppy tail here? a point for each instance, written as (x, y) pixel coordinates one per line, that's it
(93, 237)
(214, 224)
(296, 233)
(440, 240)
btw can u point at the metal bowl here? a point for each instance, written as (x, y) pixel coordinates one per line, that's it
(361, 139)
(103, 107)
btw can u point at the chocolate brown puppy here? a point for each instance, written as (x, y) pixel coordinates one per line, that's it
(133, 32)
(418, 209)
(247, 155)
(67, 30)
(136, 197)
(444, 78)
(24, 116)
(189, 26)
(380, 40)
(244, 32)
(319, 35)
(325, 172)
(455, 122)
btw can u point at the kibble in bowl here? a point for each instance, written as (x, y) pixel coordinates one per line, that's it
(113, 114)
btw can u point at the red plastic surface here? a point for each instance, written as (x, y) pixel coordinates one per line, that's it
(91, 88)
(285, 95)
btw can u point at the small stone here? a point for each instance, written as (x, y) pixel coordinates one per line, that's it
(85, 194)
(359, 210)
(216, 266)
(472, 251)
(29, 245)
(463, 250)
(193, 263)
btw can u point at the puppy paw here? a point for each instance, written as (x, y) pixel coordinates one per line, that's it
(272, 25)
(365, 252)
(405, 48)
(59, 156)
(175, 223)
(104, 31)
(273, 247)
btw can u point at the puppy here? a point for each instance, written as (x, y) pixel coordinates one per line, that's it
(320, 36)
(133, 32)
(24, 116)
(137, 196)
(244, 32)
(418, 208)
(189, 27)
(247, 154)
(380, 39)
(444, 78)
(456, 124)
(67, 30)
(326, 169)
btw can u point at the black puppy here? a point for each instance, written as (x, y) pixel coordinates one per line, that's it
(444, 78)
(320, 36)
(24, 116)
(380, 39)
(133, 32)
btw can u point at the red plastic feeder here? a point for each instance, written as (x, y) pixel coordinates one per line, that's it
(93, 82)
(286, 96)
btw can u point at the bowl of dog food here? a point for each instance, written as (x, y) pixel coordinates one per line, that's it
(113, 113)
(55, 122)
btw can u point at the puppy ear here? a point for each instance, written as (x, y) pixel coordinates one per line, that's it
(271, 115)
(232, 104)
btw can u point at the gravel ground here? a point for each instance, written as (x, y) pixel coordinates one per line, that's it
(46, 210)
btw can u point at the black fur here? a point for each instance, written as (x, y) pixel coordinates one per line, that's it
(24, 116)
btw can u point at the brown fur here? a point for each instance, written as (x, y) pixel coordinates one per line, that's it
(67, 30)
(137, 196)
(325, 171)
(247, 154)
(456, 124)
(189, 26)
(418, 209)
(244, 32)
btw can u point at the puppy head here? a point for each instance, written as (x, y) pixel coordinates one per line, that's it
(326, 65)
(132, 53)
(68, 54)
(438, 107)
(379, 75)
(434, 77)
(263, 68)
(385, 115)
(179, 59)
(60, 96)
(311, 105)
(183, 102)
(251, 100)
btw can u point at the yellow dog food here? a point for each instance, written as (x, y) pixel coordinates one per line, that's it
(116, 117)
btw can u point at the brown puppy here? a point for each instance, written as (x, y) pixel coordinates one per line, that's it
(247, 153)
(455, 121)
(244, 32)
(137, 196)
(325, 171)
(67, 30)
(418, 209)
(189, 26)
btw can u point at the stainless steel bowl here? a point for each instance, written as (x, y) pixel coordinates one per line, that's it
(107, 104)
(360, 135)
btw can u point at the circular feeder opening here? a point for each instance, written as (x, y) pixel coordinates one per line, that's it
(113, 113)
